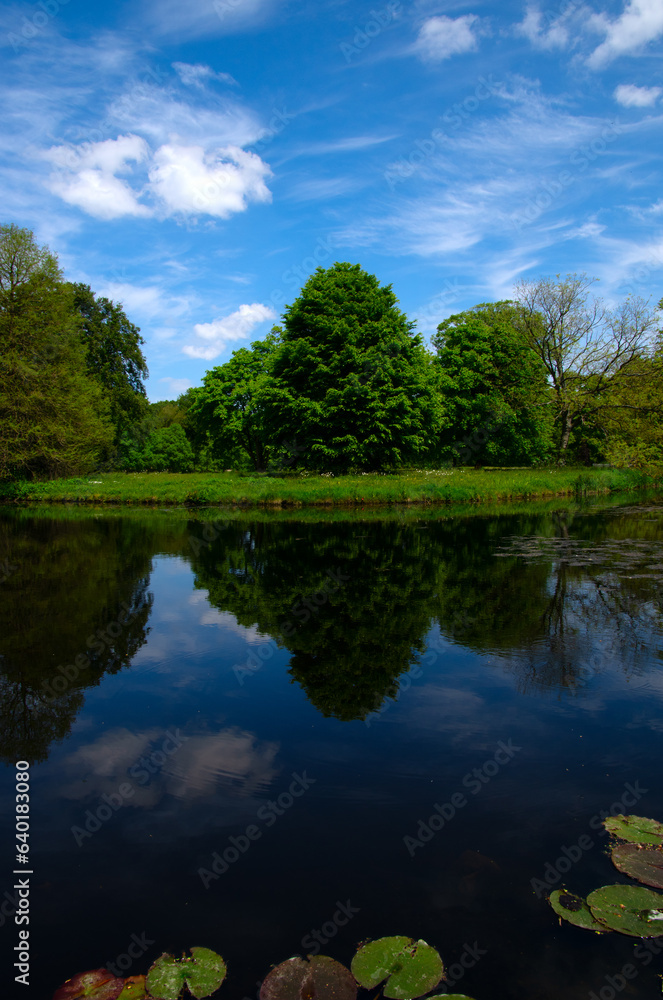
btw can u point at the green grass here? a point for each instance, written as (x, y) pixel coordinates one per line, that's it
(417, 486)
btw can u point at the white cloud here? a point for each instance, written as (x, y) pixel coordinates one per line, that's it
(86, 176)
(630, 96)
(188, 180)
(641, 22)
(443, 37)
(221, 332)
(194, 74)
(554, 36)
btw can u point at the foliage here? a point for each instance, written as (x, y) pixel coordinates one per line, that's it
(226, 410)
(202, 974)
(351, 385)
(320, 977)
(627, 909)
(411, 968)
(166, 450)
(113, 356)
(575, 911)
(635, 829)
(441, 486)
(589, 352)
(159, 442)
(53, 419)
(640, 862)
(496, 403)
(407, 968)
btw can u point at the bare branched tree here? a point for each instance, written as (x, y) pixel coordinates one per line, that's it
(587, 349)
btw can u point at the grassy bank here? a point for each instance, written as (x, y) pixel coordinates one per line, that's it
(443, 486)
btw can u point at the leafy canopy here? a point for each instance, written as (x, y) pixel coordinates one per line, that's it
(351, 386)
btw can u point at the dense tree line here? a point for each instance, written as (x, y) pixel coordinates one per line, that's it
(345, 383)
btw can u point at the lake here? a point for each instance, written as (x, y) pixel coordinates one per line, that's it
(276, 734)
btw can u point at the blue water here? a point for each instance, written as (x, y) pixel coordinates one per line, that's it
(420, 755)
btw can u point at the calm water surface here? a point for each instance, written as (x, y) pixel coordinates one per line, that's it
(240, 727)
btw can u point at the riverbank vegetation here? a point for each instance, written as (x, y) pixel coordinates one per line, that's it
(306, 489)
(344, 387)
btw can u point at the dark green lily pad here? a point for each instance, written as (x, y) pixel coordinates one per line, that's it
(635, 829)
(410, 967)
(628, 909)
(575, 910)
(134, 989)
(450, 996)
(96, 984)
(640, 862)
(297, 979)
(203, 974)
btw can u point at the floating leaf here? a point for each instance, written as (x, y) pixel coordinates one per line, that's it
(203, 974)
(134, 988)
(635, 829)
(297, 979)
(628, 909)
(411, 968)
(97, 984)
(640, 862)
(450, 996)
(165, 978)
(375, 960)
(575, 910)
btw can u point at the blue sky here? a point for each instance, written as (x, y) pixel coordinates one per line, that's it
(198, 161)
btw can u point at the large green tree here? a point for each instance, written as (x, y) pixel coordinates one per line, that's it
(497, 408)
(352, 385)
(53, 419)
(113, 356)
(588, 351)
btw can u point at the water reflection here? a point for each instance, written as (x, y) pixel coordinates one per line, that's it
(75, 609)
(352, 606)
(555, 599)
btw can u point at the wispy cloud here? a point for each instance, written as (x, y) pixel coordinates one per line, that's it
(195, 74)
(543, 30)
(204, 18)
(221, 332)
(176, 386)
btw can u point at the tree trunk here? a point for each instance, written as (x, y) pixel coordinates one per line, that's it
(567, 424)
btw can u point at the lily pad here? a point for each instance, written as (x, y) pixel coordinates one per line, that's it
(165, 978)
(134, 988)
(411, 968)
(640, 862)
(203, 974)
(635, 829)
(319, 978)
(375, 960)
(575, 910)
(96, 984)
(628, 909)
